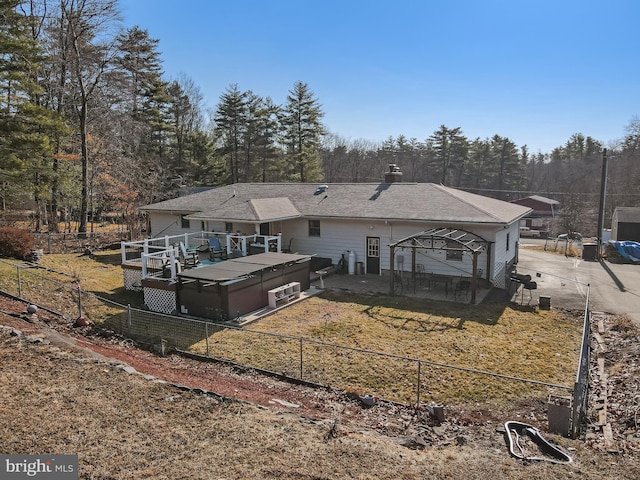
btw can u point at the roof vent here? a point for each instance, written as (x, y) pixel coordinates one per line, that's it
(393, 175)
(322, 188)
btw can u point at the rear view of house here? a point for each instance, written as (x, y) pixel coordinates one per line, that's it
(355, 222)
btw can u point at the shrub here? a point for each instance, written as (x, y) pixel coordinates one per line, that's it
(15, 242)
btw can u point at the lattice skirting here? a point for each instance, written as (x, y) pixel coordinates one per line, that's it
(132, 279)
(500, 278)
(163, 301)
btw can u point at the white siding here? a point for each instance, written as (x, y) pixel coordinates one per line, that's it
(502, 254)
(166, 224)
(171, 224)
(338, 237)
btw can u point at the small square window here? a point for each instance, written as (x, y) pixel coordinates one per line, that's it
(454, 255)
(314, 228)
(228, 227)
(184, 223)
(454, 252)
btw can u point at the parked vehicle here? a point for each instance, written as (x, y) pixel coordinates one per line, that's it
(570, 236)
(527, 232)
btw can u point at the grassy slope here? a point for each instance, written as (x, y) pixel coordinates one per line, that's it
(122, 426)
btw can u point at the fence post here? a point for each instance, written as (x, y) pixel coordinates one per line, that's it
(206, 336)
(300, 358)
(129, 317)
(419, 374)
(576, 410)
(19, 283)
(79, 302)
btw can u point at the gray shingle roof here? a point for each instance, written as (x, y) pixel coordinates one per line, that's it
(385, 201)
(540, 199)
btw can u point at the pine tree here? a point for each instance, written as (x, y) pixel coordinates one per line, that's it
(301, 120)
(450, 150)
(230, 127)
(15, 87)
(26, 125)
(507, 166)
(478, 165)
(267, 129)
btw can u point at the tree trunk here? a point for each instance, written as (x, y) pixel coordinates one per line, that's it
(84, 157)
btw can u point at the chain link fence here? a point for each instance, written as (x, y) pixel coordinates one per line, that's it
(57, 292)
(50, 242)
(403, 379)
(581, 387)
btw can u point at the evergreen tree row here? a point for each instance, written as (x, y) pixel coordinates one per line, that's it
(90, 124)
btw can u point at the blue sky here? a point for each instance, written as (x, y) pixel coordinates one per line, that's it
(533, 71)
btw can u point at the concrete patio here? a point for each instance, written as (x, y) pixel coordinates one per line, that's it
(372, 285)
(380, 284)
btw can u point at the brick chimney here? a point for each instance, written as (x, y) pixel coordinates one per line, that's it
(393, 175)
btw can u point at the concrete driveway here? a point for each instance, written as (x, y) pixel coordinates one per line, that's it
(613, 288)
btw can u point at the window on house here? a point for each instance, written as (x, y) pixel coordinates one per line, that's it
(314, 228)
(184, 223)
(508, 240)
(454, 255)
(454, 252)
(228, 227)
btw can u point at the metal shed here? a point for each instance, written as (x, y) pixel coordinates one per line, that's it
(235, 287)
(625, 224)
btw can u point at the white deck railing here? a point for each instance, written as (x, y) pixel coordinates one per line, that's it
(159, 256)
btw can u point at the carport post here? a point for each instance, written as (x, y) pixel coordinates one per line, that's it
(413, 262)
(392, 271)
(474, 277)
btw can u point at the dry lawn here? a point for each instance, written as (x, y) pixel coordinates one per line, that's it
(523, 343)
(529, 344)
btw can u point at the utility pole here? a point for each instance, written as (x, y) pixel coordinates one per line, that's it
(603, 194)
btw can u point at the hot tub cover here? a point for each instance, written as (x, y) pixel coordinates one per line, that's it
(242, 267)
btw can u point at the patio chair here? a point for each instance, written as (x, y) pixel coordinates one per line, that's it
(288, 249)
(421, 273)
(190, 258)
(215, 249)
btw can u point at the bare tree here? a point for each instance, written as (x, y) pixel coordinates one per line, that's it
(89, 26)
